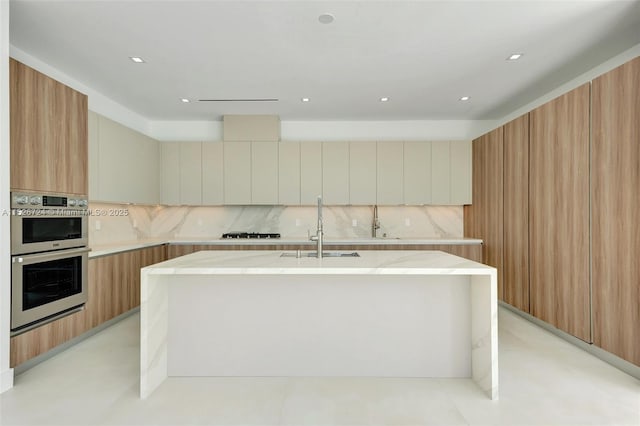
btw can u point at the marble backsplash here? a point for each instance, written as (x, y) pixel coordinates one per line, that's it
(115, 223)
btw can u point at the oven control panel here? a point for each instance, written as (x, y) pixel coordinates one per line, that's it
(22, 201)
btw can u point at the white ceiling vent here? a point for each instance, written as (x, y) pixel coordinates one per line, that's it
(246, 128)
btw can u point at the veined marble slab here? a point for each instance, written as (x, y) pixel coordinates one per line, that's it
(218, 299)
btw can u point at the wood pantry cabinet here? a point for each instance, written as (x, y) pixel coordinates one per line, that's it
(484, 218)
(615, 203)
(48, 133)
(114, 288)
(559, 212)
(515, 250)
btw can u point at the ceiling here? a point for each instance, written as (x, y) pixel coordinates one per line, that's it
(422, 55)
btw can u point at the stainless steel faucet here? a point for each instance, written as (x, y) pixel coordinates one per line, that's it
(375, 225)
(319, 237)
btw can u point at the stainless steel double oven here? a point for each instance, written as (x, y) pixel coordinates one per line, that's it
(49, 257)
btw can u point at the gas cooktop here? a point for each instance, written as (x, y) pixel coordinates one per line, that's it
(250, 235)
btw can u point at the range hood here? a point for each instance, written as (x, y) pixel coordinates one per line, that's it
(247, 128)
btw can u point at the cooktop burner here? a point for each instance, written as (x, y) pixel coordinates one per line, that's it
(250, 235)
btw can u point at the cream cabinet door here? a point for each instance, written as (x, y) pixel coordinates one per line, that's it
(460, 152)
(212, 173)
(335, 173)
(264, 172)
(440, 173)
(389, 173)
(191, 173)
(289, 173)
(128, 167)
(310, 172)
(170, 173)
(237, 173)
(362, 173)
(417, 173)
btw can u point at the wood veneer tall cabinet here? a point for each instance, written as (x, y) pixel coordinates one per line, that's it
(615, 203)
(49, 136)
(515, 258)
(483, 219)
(559, 212)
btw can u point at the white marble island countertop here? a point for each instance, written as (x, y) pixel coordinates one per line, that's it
(267, 262)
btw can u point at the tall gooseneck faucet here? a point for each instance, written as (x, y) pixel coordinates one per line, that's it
(319, 232)
(375, 225)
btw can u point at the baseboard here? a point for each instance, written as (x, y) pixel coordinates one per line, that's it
(19, 369)
(6, 380)
(608, 357)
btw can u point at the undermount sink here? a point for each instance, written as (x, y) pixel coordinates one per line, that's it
(324, 254)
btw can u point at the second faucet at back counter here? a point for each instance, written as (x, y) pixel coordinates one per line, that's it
(318, 238)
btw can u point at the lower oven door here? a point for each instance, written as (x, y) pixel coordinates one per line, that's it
(47, 285)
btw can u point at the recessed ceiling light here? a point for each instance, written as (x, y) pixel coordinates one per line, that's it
(514, 57)
(326, 18)
(305, 99)
(384, 99)
(465, 98)
(185, 100)
(136, 59)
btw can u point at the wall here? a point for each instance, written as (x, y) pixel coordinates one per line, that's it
(6, 373)
(127, 223)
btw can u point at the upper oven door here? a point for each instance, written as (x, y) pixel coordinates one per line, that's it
(38, 230)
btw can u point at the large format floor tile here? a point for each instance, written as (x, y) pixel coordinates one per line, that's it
(543, 381)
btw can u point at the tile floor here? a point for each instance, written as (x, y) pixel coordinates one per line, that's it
(543, 381)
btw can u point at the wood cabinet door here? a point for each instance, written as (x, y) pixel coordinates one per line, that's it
(484, 218)
(615, 203)
(559, 212)
(49, 136)
(515, 276)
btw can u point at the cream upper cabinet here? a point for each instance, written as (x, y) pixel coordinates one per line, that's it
(389, 166)
(128, 165)
(264, 172)
(212, 173)
(417, 173)
(460, 155)
(289, 173)
(191, 173)
(237, 173)
(170, 173)
(362, 173)
(310, 172)
(440, 173)
(335, 173)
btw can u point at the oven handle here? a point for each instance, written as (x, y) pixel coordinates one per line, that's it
(44, 257)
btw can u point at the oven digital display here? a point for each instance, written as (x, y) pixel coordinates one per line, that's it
(49, 201)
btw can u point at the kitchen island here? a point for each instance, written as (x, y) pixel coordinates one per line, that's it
(382, 314)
